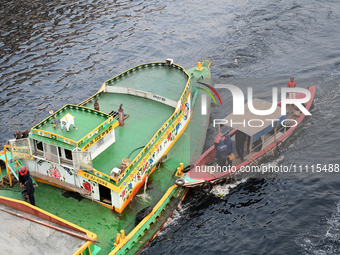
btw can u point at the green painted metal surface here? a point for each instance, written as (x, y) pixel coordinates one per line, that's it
(103, 221)
(146, 117)
(86, 121)
(165, 81)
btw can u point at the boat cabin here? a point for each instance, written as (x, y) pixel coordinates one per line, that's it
(255, 132)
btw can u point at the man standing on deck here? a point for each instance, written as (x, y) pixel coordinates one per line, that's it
(230, 144)
(240, 140)
(30, 189)
(217, 139)
(221, 154)
(22, 172)
(291, 84)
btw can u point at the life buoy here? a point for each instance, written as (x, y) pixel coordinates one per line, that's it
(206, 186)
(180, 182)
(143, 213)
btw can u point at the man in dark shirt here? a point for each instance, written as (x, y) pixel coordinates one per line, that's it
(221, 154)
(22, 172)
(30, 189)
(230, 144)
(240, 140)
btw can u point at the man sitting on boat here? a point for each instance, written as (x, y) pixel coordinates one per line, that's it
(230, 144)
(221, 154)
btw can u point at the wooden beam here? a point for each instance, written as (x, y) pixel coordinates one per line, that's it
(62, 184)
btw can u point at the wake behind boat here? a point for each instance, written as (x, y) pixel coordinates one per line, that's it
(253, 143)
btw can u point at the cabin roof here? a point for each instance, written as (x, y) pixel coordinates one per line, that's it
(88, 124)
(256, 128)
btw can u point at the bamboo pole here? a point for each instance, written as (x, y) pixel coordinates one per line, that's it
(251, 145)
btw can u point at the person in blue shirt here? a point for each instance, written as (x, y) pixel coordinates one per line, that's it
(221, 154)
(230, 143)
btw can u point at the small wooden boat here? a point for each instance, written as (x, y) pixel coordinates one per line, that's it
(260, 142)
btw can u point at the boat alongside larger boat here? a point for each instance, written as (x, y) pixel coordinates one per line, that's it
(132, 133)
(259, 141)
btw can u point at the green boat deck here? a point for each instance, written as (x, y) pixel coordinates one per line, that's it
(147, 116)
(164, 81)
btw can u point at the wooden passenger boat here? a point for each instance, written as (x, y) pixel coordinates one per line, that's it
(261, 142)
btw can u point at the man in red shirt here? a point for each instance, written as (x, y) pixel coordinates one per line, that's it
(291, 84)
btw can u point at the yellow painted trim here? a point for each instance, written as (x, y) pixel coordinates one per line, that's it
(96, 129)
(154, 137)
(207, 61)
(46, 132)
(106, 205)
(99, 180)
(134, 231)
(134, 191)
(120, 210)
(152, 150)
(48, 118)
(89, 144)
(67, 139)
(83, 248)
(8, 147)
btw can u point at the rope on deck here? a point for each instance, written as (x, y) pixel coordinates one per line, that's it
(253, 161)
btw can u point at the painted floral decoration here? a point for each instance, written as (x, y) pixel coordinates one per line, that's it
(53, 171)
(87, 186)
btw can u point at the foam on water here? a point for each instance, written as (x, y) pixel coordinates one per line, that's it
(325, 240)
(224, 189)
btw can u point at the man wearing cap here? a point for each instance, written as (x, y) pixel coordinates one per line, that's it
(291, 84)
(22, 172)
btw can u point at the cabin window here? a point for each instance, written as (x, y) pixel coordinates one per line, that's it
(68, 154)
(39, 146)
(65, 155)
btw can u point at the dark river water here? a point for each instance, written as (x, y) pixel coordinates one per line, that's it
(58, 52)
